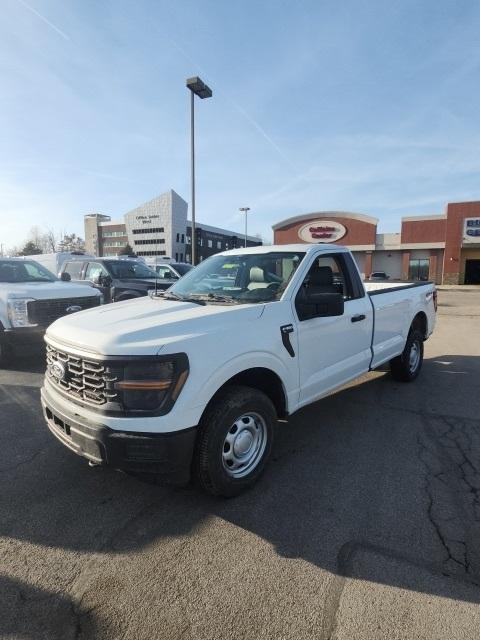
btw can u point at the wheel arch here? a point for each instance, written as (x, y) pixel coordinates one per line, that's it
(420, 322)
(262, 379)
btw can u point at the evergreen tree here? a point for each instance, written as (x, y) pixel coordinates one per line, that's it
(126, 251)
(30, 249)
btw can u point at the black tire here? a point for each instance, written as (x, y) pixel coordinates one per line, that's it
(407, 366)
(5, 352)
(238, 410)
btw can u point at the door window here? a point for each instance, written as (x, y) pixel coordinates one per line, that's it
(94, 270)
(341, 267)
(328, 274)
(165, 273)
(74, 269)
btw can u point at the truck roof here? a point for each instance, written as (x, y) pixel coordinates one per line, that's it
(287, 248)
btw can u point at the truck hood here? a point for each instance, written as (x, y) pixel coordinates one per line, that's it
(48, 290)
(144, 326)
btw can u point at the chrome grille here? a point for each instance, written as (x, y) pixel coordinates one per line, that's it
(88, 380)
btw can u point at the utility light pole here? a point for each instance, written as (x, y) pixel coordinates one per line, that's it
(197, 88)
(245, 211)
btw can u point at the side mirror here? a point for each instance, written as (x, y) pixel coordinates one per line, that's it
(105, 281)
(319, 305)
(65, 277)
(102, 280)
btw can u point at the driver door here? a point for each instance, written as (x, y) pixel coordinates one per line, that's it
(334, 349)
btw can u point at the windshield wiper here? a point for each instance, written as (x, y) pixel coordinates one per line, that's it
(213, 297)
(174, 296)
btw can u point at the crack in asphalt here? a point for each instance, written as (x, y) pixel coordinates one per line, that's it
(25, 461)
(345, 570)
(450, 488)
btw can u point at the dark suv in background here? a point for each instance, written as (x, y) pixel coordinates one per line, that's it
(118, 279)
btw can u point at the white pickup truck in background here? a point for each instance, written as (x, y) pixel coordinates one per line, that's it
(194, 380)
(31, 297)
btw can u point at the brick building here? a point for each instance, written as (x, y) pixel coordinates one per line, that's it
(443, 248)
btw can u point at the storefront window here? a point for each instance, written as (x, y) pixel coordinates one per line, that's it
(418, 269)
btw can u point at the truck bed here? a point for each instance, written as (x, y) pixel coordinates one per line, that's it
(393, 311)
(373, 288)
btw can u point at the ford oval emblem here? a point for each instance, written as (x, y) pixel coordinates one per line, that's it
(57, 370)
(73, 309)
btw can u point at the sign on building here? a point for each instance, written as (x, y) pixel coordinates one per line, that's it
(471, 231)
(322, 231)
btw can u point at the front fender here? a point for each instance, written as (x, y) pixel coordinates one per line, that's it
(241, 363)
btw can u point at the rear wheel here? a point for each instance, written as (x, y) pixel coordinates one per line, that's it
(407, 366)
(234, 441)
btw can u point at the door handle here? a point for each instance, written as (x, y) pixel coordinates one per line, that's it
(359, 318)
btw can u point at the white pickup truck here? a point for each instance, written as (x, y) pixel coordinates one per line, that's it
(31, 297)
(195, 379)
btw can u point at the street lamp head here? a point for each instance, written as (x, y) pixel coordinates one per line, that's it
(198, 87)
(245, 209)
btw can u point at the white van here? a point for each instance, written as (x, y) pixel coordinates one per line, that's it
(54, 261)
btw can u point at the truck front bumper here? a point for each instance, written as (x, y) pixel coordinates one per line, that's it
(166, 455)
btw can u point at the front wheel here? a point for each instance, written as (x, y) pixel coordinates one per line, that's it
(234, 441)
(406, 366)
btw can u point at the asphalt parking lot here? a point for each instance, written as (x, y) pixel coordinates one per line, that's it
(366, 524)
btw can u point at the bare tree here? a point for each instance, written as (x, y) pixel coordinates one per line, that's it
(35, 237)
(44, 240)
(50, 241)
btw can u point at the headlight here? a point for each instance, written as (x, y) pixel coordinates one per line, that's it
(153, 385)
(18, 312)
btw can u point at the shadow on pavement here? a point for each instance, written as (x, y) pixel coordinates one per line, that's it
(30, 613)
(376, 466)
(27, 360)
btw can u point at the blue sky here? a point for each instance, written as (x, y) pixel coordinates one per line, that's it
(360, 106)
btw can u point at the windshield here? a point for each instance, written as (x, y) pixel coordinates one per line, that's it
(245, 278)
(24, 271)
(125, 270)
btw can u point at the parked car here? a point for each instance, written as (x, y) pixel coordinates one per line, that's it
(378, 276)
(195, 379)
(31, 297)
(117, 278)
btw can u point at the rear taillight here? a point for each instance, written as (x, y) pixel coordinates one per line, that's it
(435, 300)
